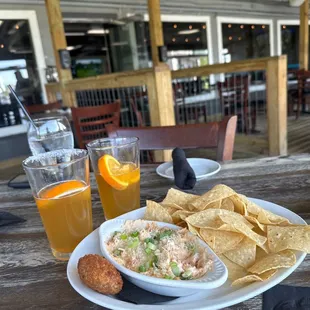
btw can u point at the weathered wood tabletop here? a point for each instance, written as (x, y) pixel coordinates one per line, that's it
(30, 278)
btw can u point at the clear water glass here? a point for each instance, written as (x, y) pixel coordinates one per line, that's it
(52, 133)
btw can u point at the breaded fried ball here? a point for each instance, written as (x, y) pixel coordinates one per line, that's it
(99, 274)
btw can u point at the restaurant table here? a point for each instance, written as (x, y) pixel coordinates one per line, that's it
(31, 278)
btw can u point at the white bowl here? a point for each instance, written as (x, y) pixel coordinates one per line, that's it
(212, 279)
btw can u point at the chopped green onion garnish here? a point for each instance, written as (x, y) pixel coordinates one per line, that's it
(124, 236)
(155, 260)
(115, 233)
(134, 234)
(142, 268)
(117, 252)
(148, 265)
(133, 243)
(151, 246)
(165, 233)
(148, 251)
(186, 275)
(168, 277)
(149, 240)
(175, 269)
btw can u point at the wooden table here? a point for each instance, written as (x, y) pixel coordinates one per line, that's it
(31, 278)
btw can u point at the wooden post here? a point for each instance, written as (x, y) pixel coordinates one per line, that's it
(156, 29)
(277, 105)
(59, 43)
(159, 84)
(304, 36)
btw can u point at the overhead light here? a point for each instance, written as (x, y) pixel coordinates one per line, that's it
(263, 26)
(283, 26)
(253, 27)
(198, 39)
(71, 48)
(186, 40)
(241, 26)
(75, 34)
(185, 32)
(229, 25)
(98, 31)
(16, 27)
(239, 38)
(173, 39)
(2, 45)
(175, 26)
(190, 27)
(204, 26)
(230, 38)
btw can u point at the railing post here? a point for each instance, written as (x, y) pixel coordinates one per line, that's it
(277, 105)
(303, 35)
(59, 43)
(159, 83)
(161, 105)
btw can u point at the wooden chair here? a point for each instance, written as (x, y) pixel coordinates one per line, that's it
(234, 98)
(219, 135)
(301, 95)
(41, 108)
(90, 122)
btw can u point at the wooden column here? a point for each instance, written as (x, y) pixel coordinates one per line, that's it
(304, 36)
(59, 42)
(161, 103)
(277, 105)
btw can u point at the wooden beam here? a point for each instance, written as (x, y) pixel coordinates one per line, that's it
(304, 36)
(277, 105)
(161, 105)
(234, 66)
(156, 29)
(59, 42)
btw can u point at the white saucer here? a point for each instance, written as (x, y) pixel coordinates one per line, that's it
(202, 167)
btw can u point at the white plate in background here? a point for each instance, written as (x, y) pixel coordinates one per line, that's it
(202, 167)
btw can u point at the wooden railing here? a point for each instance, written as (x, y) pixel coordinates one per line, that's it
(161, 107)
(276, 92)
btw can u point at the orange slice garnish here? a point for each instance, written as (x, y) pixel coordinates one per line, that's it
(63, 189)
(111, 169)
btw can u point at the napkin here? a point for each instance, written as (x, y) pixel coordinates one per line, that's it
(136, 295)
(282, 297)
(184, 175)
(7, 218)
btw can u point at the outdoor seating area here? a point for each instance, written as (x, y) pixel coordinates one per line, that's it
(155, 155)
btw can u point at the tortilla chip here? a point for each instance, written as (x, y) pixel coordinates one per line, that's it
(239, 204)
(210, 218)
(179, 198)
(251, 207)
(243, 228)
(218, 192)
(244, 254)
(193, 230)
(227, 204)
(266, 217)
(284, 259)
(181, 215)
(220, 241)
(182, 224)
(234, 271)
(254, 278)
(171, 207)
(289, 237)
(155, 212)
(255, 221)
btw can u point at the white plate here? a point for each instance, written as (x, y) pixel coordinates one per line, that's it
(202, 167)
(218, 298)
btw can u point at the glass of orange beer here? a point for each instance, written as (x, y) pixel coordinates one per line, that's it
(116, 164)
(61, 188)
